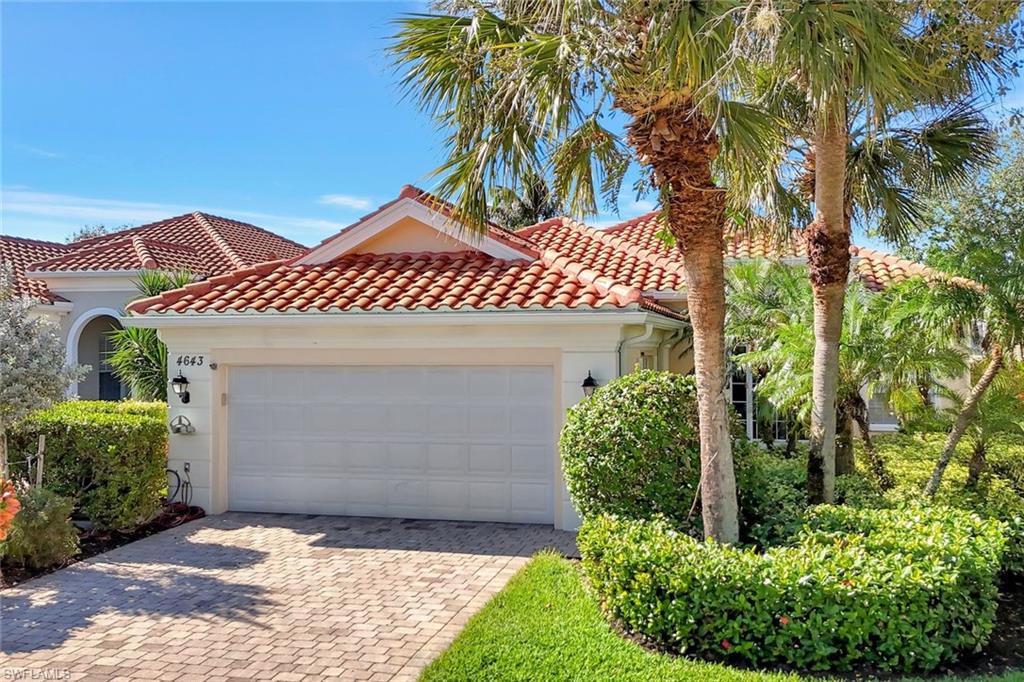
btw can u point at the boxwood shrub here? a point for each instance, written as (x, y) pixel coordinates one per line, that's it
(633, 448)
(904, 589)
(111, 458)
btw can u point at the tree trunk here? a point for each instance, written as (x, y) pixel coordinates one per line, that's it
(844, 443)
(828, 254)
(976, 467)
(963, 420)
(876, 465)
(679, 143)
(792, 436)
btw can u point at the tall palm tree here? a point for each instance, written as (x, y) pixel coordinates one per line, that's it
(858, 63)
(525, 86)
(882, 350)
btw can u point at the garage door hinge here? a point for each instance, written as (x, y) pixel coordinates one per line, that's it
(223, 398)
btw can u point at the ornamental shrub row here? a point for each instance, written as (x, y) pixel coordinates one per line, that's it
(905, 589)
(110, 458)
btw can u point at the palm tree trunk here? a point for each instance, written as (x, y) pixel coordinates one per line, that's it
(679, 143)
(828, 254)
(963, 420)
(844, 442)
(876, 465)
(976, 467)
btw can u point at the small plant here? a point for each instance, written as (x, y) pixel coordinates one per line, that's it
(42, 534)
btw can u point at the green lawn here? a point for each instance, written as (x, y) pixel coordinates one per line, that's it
(543, 626)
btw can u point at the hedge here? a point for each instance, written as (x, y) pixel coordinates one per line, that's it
(111, 458)
(907, 589)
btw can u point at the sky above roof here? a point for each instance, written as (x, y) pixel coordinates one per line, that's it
(285, 115)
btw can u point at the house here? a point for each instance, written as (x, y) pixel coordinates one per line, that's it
(84, 286)
(406, 367)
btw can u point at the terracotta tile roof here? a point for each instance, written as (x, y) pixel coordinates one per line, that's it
(18, 252)
(874, 268)
(128, 253)
(631, 264)
(467, 280)
(216, 245)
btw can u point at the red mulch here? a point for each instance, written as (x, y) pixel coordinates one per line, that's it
(93, 542)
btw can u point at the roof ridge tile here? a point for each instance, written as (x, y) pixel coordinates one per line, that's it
(220, 241)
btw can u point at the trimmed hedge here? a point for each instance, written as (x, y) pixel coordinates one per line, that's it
(42, 534)
(906, 589)
(111, 458)
(633, 448)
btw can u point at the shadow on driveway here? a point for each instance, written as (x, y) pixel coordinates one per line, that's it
(148, 577)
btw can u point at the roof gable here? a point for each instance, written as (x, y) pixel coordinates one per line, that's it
(406, 223)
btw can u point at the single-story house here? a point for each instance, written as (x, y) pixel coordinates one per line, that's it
(406, 367)
(84, 286)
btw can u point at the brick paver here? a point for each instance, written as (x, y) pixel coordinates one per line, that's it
(265, 597)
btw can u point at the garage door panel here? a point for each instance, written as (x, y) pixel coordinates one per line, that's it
(472, 443)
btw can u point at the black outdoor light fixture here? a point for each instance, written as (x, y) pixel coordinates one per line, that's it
(589, 385)
(179, 385)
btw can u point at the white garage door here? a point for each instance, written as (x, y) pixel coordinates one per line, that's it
(466, 443)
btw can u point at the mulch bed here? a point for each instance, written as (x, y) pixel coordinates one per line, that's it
(93, 542)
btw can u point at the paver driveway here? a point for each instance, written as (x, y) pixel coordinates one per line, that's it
(265, 597)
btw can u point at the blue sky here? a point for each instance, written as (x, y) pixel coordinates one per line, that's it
(283, 114)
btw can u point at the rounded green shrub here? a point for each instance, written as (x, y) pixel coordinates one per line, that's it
(110, 458)
(42, 534)
(902, 589)
(633, 448)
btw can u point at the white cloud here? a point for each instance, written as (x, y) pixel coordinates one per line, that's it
(46, 215)
(639, 206)
(346, 201)
(45, 153)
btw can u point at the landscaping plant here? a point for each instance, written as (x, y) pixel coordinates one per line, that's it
(905, 589)
(31, 361)
(42, 534)
(111, 461)
(9, 506)
(139, 357)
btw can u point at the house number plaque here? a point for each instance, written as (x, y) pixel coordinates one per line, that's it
(190, 361)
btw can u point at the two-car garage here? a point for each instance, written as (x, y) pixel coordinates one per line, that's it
(447, 442)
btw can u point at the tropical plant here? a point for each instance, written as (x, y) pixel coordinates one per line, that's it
(524, 88)
(867, 66)
(531, 203)
(975, 233)
(9, 506)
(1000, 416)
(139, 357)
(882, 350)
(31, 361)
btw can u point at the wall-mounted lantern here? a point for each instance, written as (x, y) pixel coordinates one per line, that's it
(589, 385)
(179, 385)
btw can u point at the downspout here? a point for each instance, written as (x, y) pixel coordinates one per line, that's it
(665, 347)
(648, 333)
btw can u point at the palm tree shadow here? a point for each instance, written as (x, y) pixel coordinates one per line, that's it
(45, 612)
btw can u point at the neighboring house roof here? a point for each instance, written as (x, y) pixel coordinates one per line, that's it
(563, 265)
(874, 268)
(18, 253)
(202, 243)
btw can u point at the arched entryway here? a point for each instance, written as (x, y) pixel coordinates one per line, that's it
(88, 344)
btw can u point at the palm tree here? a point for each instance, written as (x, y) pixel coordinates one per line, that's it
(991, 316)
(524, 87)
(139, 357)
(532, 203)
(850, 63)
(771, 309)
